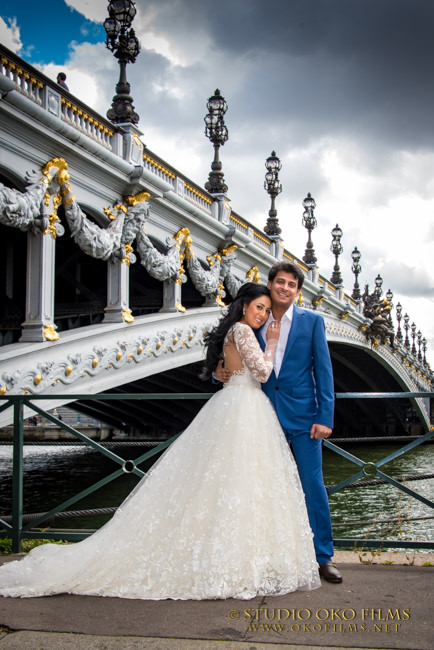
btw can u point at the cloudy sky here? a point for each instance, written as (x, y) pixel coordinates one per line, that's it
(342, 90)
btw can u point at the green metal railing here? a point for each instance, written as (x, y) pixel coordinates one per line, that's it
(17, 530)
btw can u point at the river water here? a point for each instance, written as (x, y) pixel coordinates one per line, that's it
(53, 474)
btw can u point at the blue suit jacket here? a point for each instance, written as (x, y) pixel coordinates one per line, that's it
(303, 393)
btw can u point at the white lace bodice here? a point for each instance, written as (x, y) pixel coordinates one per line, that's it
(258, 363)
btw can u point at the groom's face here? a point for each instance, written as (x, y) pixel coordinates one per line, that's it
(284, 289)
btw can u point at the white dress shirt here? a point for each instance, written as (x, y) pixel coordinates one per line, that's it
(285, 327)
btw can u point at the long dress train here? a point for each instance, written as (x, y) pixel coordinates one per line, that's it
(220, 515)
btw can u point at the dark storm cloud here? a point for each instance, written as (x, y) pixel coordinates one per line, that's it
(326, 63)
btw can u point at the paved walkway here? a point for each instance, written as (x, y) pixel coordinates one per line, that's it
(377, 606)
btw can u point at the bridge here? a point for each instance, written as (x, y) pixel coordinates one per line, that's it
(114, 264)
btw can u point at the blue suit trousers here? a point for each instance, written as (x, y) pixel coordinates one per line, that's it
(308, 455)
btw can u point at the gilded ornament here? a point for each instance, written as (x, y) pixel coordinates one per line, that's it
(139, 349)
(137, 198)
(109, 213)
(37, 380)
(128, 250)
(253, 275)
(219, 298)
(136, 139)
(119, 356)
(95, 363)
(50, 333)
(175, 340)
(230, 249)
(299, 300)
(63, 176)
(158, 346)
(180, 307)
(59, 163)
(127, 316)
(68, 370)
(317, 300)
(185, 234)
(3, 390)
(120, 206)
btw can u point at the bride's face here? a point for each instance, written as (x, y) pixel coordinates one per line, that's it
(256, 312)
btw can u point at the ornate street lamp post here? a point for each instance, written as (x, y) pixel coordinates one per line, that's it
(336, 248)
(413, 336)
(122, 41)
(406, 327)
(356, 269)
(419, 343)
(217, 132)
(398, 318)
(389, 297)
(424, 342)
(309, 222)
(273, 187)
(378, 286)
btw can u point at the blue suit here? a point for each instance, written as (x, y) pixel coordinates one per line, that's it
(303, 395)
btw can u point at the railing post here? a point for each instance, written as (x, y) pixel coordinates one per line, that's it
(17, 479)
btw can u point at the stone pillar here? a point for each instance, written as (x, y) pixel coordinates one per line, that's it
(171, 296)
(132, 145)
(118, 290)
(276, 248)
(220, 208)
(39, 323)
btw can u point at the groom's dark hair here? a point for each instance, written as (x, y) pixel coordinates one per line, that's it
(286, 267)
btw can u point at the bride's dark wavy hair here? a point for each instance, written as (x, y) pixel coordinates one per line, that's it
(214, 340)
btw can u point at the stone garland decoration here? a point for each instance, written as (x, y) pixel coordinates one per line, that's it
(29, 210)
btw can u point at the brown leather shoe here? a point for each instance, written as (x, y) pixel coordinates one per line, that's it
(329, 572)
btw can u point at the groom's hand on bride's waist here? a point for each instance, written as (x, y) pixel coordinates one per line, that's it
(320, 431)
(221, 373)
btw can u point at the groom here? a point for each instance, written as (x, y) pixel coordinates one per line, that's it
(301, 390)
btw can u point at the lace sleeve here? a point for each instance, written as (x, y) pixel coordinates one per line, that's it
(260, 364)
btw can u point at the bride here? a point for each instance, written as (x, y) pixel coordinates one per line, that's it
(220, 515)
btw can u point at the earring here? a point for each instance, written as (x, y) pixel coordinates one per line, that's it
(244, 311)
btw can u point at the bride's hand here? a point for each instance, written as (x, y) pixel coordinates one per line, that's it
(273, 331)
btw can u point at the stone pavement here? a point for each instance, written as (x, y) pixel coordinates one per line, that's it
(377, 606)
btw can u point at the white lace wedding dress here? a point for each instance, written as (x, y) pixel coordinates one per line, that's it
(220, 515)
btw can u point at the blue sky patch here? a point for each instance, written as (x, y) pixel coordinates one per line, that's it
(46, 39)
